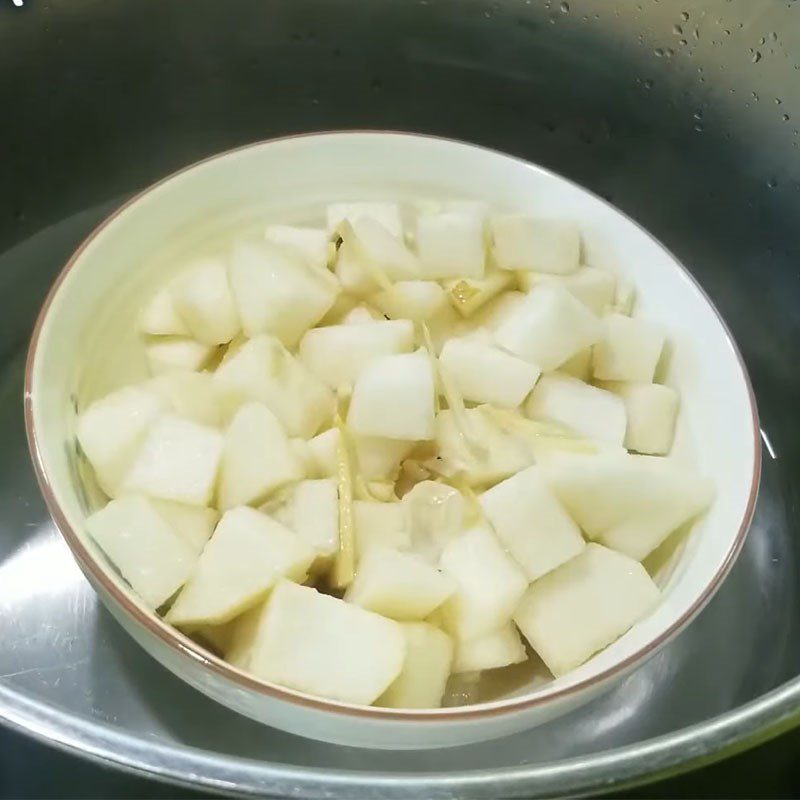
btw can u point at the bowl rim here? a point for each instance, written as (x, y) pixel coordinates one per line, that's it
(187, 647)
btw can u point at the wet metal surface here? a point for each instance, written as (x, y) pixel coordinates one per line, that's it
(652, 105)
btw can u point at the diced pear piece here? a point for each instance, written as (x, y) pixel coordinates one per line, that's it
(579, 366)
(277, 293)
(242, 636)
(624, 297)
(628, 350)
(203, 299)
(467, 295)
(492, 315)
(308, 244)
(530, 522)
(394, 398)
(652, 410)
(627, 502)
(362, 314)
(194, 524)
(177, 354)
(338, 354)
(111, 429)
(151, 557)
(380, 526)
(178, 460)
(191, 395)
(544, 245)
(370, 257)
(378, 458)
(422, 681)
(585, 409)
(490, 584)
(491, 455)
(257, 458)
(592, 286)
(242, 561)
(263, 370)
(436, 513)
(550, 327)
(486, 374)
(584, 606)
(387, 214)
(318, 644)
(499, 648)
(414, 300)
(322, 450)
(451, 245)
(398, 585)
(160, 318)
(312, 512)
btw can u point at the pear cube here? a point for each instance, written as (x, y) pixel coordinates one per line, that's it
(394, 398)
(549, 327)
(159, 317)
(151, 557)
(592, 412)
(426, 668)
(530, 522)
(486, 374)
(177, 354)
(257, 458)
(310, 245)
(500, 648)
(583, 606)
(627, 502)
(111, 429)
(451, 245)
(338, 354)
(178, 460)
(318, 644)
(629, 350)
(242, 561)
(263, 370)
(398, 585)
(523, 242)
(489, 584)
(203, 299)
(277, 293)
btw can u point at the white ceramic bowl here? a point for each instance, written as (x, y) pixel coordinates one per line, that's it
(85, 344)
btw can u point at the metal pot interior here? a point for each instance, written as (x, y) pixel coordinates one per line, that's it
(685, 116)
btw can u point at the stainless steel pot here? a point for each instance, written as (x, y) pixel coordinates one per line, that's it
(685, 115)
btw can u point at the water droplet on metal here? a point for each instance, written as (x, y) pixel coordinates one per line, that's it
(669, 52)
(696, 33)
(727, 32)
(785, 117)
(684, 15)
(772, 183)
(648, 84)
(698, 114)
(762, 40)
(756, 57)
(658, 52)
(699, 127)
(682, 42)
(564, 8)
(677, 30)
(774, 36)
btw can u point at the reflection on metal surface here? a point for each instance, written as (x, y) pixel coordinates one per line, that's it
(584, 94)
(768, 444)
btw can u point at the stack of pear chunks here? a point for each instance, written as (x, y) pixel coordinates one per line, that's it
(414, 444)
